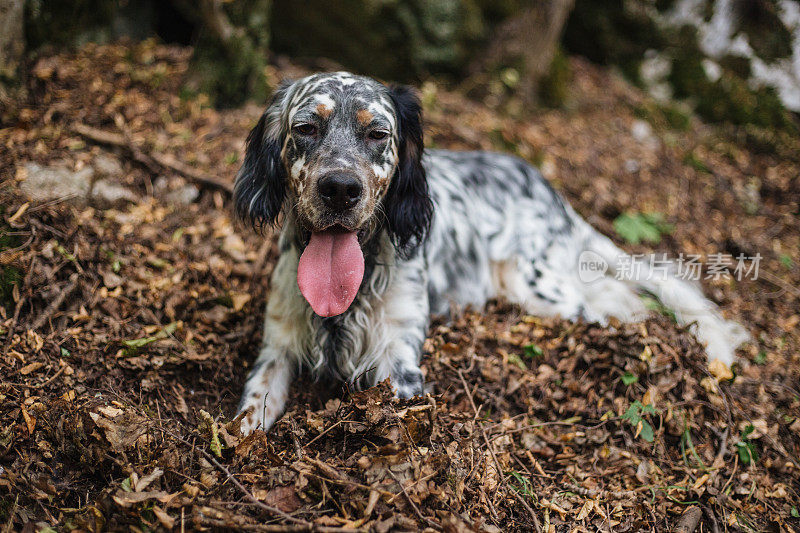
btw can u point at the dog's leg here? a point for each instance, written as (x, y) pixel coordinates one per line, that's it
(406, 376)
(407, 318)
(266, 390)
(267, 386)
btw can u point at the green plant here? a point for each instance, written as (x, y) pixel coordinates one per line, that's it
(629, 378)
(133, 346)
(745, 447)
(638, 227)
(696, 163)
(531, 351)
(688, 443)
(654, 304)
(635, 416)
(522, 485)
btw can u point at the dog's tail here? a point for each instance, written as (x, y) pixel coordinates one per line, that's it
(615, 292)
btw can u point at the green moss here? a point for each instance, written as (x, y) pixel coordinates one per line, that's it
(728, 99)
(68, 23)
(738, 65)
(770, 141)
(231, 72)
(9, 275)
(388, 39)
(553, 87)
(662, 115)
(619, 32)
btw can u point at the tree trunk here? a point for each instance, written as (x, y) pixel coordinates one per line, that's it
(12, 48)
(231, 53)
(529, 42)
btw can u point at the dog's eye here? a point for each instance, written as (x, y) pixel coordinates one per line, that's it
(378, 135)
(305, 129)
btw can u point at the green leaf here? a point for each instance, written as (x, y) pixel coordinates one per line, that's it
(696, 163)
(633, 413)
(65, 352)
(232, 158)
(126, 484)
(761, 358)
(744, 452)
(654, 304)
(638, 227)
(63, 251)
(794, 512)
(629, 379)
(531, 351)
(515, 360)
(647, 431)
(208, 428)
(786, 261)
(134, 345)
(634, 416)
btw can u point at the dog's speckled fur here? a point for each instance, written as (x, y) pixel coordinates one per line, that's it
(498, 229)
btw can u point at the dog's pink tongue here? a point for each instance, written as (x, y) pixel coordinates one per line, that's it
(330, 272)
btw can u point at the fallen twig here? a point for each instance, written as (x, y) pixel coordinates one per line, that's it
(155, 162)
(65, 292)
(422, 517)
(689, 520)
(13, 326)
(491, 451)
(303, 525)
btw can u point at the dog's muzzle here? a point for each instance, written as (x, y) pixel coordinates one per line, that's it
(340, 191)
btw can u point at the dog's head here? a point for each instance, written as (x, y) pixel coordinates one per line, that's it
(343, 154)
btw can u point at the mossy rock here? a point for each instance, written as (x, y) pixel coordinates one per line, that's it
(728, 99)
(620, 32)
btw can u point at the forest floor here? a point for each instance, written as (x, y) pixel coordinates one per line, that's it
(130, 315)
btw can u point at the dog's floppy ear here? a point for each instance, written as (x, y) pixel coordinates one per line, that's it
(407, 204)
(260, 187)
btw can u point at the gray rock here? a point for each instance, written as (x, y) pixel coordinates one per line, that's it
(93, 183)
(56, 182)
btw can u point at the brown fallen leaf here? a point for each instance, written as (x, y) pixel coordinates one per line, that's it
(33, 367)
(166, 520)
(284, 498)
(128, 499)
(30, 421)
(123, 431)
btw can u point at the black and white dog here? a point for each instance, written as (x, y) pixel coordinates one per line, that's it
(377, 235)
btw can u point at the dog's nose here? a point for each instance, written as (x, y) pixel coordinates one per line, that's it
(340, 191)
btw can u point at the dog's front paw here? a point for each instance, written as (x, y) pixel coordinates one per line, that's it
(408, 382)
